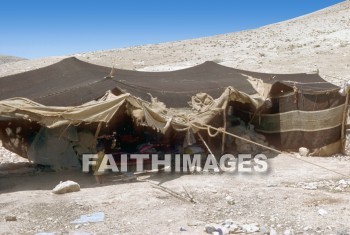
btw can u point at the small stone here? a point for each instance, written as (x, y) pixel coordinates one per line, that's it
(66, 187)
(234, 227)
(230, 200)
(304, 152)
(183, 229)
(77, 226)
(228, 221)
(338, 188)
(10, 218)
(322, 212)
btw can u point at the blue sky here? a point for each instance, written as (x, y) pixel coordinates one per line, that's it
(38, 28)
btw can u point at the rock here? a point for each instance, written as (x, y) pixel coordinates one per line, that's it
(234, 228)
(222, 231)
(310, 186)
(250, 228)
(230, 200)
(228, 222)
(10, 218)
(264, 230)
(66, 187)
(210, 228)
(322, 212)
(304, 152)
(287, 232)
(182, 229)
(216, 229)
(273, 232)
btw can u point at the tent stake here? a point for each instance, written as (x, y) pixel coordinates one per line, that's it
(345, 120)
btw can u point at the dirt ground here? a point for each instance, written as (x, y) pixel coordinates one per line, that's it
(281, 200)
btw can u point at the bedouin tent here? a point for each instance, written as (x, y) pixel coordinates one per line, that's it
(293, 109)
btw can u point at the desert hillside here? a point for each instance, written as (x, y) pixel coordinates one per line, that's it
(320, 40)
(7, 59)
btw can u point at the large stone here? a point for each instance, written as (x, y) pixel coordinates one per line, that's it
(66, 187)
(210, 228)
(304, 152)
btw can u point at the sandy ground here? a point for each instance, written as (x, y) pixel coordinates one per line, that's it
(288, 199)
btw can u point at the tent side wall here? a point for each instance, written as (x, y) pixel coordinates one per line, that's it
(310, 120)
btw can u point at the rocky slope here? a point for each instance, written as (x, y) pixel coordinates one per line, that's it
(7, 59)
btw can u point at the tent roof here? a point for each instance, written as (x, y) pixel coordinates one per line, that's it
(68, 82)
(74, 82)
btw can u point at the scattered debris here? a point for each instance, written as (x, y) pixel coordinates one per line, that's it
(194, 223)
(66, 187)
(250, 228)
(332, 185)
(188, 197)
(10, 218)
(231, 227)
(90, 218)
(182, 229)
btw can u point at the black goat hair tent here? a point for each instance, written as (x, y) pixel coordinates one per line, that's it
(299, 109)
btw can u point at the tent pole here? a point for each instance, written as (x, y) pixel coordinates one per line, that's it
(224, 133)
(98, 130)
(345, 120)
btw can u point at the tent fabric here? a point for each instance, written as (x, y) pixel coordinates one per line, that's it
(71, 92)
(104, 109)
(73, 82)
(55, 148)
(54, 85)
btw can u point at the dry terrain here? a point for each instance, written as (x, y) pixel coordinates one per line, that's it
(294, 197)
(7, 59)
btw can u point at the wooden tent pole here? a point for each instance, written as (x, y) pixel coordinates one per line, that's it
(344, 124)
(224, 133)
(98, 130)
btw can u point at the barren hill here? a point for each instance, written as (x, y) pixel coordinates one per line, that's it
(320, 40)
(6, 59)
